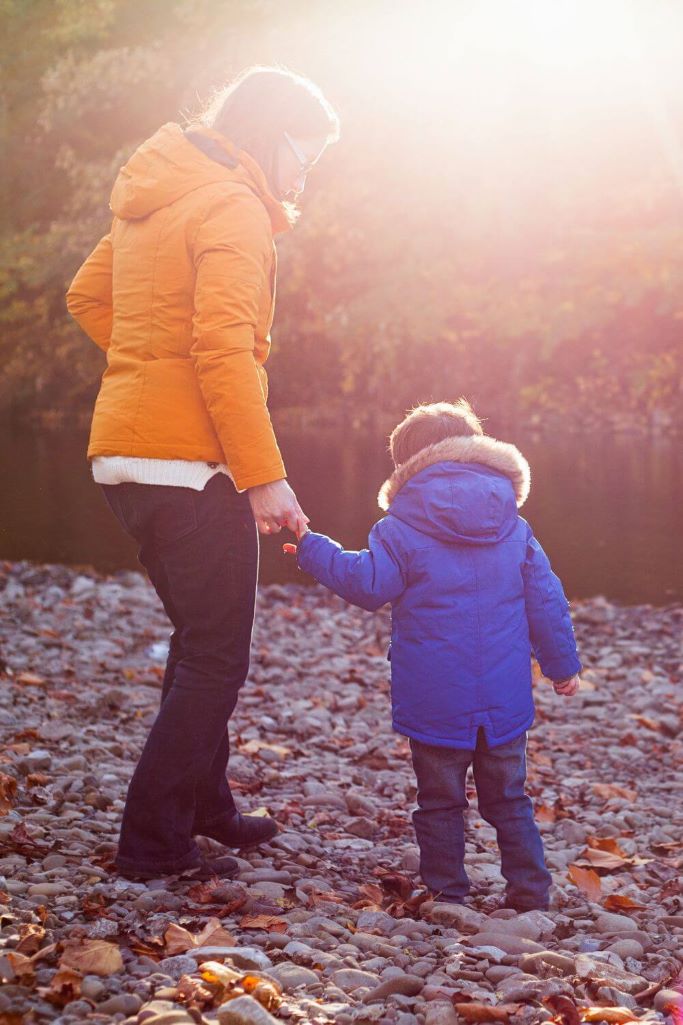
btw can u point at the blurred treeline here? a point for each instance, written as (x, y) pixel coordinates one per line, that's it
(515, 240)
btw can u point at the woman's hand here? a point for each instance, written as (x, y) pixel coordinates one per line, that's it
(275, 506)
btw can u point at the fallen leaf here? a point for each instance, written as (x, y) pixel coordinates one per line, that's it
(178, 940)
(544, 813)
(252, 747)
(22, 965)
(564, 1008)
(612, 1015)
(609, 790)
(8, 793)
(586, 880)
(271, 923)
(606, 843)
(601, 859)
(30, 938)
(32, 680)
(92, 957)
(372, 891)
(65, 986)
(472, 1011)
(266, 991)
(615, 901)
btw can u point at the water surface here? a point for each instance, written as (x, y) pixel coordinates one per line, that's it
(608, 510)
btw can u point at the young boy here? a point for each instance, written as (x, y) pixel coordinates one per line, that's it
(472, 595)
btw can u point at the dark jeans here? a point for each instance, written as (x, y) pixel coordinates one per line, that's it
(499, 776)
(200, 549)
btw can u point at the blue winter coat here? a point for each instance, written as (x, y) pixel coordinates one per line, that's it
(472, 593)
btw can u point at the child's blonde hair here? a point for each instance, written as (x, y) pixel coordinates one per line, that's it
(429, 423)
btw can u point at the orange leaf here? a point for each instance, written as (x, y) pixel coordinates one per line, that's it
(612, 1015)
(8, 792)
(609, 790)
(587, 881)
(544, 813)
(614, 901)
(485, 1012)
(269, 922)
(65, 986)
(603, 859)
(31, 680)
(606, 843)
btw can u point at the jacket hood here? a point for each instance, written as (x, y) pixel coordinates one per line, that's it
(172, 163)
(460, 490)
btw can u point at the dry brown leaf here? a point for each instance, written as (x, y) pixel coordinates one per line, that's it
(586, 880)
(178, 940)
(564, 1008)
(266, 991)
(271, 923)
(31, 680)
(606, 843)
(544, 813)
(31, 936)
(65, 986)
(252, 747)
(92, 957)
(8, 792)
(21, 964)
(214, 935)
(601, 859)
(473, 1011)
(615, 901)
(609, 790)
(612, 1015)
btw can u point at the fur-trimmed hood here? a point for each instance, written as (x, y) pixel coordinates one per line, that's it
(479, 448)
(460, 489)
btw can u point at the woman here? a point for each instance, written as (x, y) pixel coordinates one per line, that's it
(180, 296)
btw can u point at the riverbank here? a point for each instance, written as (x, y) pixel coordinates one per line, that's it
(332, 910)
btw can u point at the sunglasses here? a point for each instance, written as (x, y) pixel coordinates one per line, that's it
(305, 164)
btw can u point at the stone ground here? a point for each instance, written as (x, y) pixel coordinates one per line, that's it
(329, 923)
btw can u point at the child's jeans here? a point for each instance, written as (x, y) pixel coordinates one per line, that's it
(499, 776)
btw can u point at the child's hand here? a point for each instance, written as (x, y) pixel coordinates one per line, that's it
(568, 688)
(290, 549)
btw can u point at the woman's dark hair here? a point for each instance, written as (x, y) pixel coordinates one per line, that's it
(257, 107)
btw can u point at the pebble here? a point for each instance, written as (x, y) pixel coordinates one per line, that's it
(350, 979)
(180, 964)
(614, 923)
(668, 1000)
(341, 785)
(441, 1013)
(628, 948)
(534, 962)
(504, 941)
(457, 916)
(291, 976)
(241, 957)
(406, 985)
(121, 1003)
(244, 1011)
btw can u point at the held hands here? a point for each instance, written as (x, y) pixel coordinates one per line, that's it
(290, 549)
(568, 688)
(275, 506)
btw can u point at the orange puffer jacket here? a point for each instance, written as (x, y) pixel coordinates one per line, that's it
(180, 296)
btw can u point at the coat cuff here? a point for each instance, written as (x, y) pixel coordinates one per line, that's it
(267, 476)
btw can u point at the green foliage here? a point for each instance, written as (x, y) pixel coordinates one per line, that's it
(442, 250)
